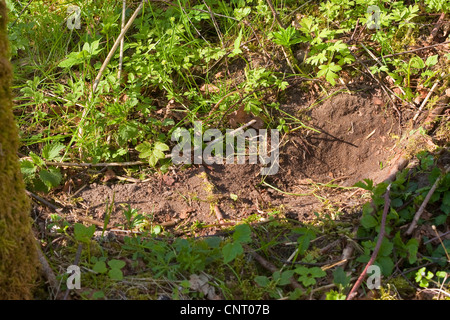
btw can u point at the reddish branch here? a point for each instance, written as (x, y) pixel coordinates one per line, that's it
(387, 203)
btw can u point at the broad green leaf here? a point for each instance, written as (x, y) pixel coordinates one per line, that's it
(417, 63)
(231, 250)
(116, 264)
(302, 270)
(432, 60)
(152, 160)
(368, 221)
(307, 281)
(51, 178)
(340, 277)
(385, 248)
(262, 281)
(115, 274)
(242, 233)
(161, 146)
(412, 246)
(386, 264)
(285, 277)
(158, 154)
(82, 233)
(100, 267)
(51, 151)
(128, 131)
(36, 159)
(145, 150)
(317, 272)
(27, 168)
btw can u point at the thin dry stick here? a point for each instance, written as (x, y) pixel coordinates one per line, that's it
(105, 63)
(387, 203)
(440, 240)
(106, 164)
(269, 266)
(124, 9)
(383, 87)
(275, 14)
(408, 51)
(116, 44)
(220, 101)
(77, 260)
(47, 271)
(425, 100)
(378, 61)
(48, 93)
(43, 201)
(216, 26)
(422, 207)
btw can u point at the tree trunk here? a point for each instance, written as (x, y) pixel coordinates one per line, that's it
(18, 259)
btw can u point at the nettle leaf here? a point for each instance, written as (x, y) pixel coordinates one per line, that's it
(446, 198)
(51, 178)
(51, 151)
(27, 168)
(385, 248)
(36, 159)
(231, 250)
(242, 233)
(317, 272)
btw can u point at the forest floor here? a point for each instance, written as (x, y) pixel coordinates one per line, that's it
(363, 169)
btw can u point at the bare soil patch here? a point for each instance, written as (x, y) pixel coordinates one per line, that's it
(355, 142)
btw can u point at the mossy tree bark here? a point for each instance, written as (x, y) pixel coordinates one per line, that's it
(18, 258)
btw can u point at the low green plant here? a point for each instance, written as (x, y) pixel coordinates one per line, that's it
(111, 267)
(37, 174)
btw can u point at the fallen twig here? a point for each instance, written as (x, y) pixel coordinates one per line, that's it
(47, 271)
(105, 164)
(387, 202)
(124, 9)
(43, 201)
(425, 100)
(422, 207)
(408, 51)
(275, 13)
(272, 268)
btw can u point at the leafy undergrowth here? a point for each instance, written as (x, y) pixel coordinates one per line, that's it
(277, 258)
(193, 61)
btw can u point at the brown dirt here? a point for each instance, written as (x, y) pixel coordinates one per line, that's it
(354, 140)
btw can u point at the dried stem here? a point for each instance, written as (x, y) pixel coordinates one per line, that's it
(387, 202)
